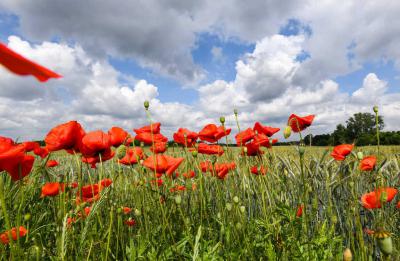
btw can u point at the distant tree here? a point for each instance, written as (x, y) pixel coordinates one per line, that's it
(362, 123)
(339, 136)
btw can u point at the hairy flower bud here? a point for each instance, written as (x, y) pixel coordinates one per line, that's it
(146, 105)
(375, 109)
(287, 132)
(121, 151)
(360, 155)
(194, 153)
(222, 119)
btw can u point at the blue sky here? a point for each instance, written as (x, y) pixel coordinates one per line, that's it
(201, 60)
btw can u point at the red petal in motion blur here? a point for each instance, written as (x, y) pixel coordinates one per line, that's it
(269, 131)
(18, 64)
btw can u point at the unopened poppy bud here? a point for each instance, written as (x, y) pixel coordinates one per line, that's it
(222, 119)
(228, 206)
(302, 149)
(235, 111)
(375, 109)
(360, 155)
(194, 153)
(219, 215)
(236, 199)
(146, 105)
(27, 217)
(121, 151)
(242, 209)
(119, 210)
(238, 225)
(138, 213)
(287, 132)
(178, 199)
(245, 150)
(347, 256)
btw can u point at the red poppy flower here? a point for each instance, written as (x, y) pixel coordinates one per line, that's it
(253, 149)
(212, 133)
(298, 123)
(118, 136)
(18, 64)
(222, 173)
(205, 166)
(87, 210)
(228, 165)
(104, 156)
(189, 175)
(341, 151)
(30, 145)
(66, 136)
(152, 128)
(261, 140)
(259, 170)
(159, 147)
(52, 189)
(132, 156)
(4, 237)
(173, 164)
(210, 149)
(177, 188)
(130, 222)
(157, 163)
(41, 152)
(244, 136)
(105, 183)
(373, 199)
(13, 160)
(90, 192)
(299, 211)
(368, 163)
(126, 210)
(149, 138)
(52, 163)
(185, 137)
(269, 131)
(158, 182)
(95, 142)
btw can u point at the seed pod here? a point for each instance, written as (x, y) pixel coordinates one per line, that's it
(375, 109)
(121, 151)
(27, 217)
(236, 199)
(242, 209)
(222, 119)
(385, 245)
(228, 206)
(287, 132)
(347, 256)
(302, 149)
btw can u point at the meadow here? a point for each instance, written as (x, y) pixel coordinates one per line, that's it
(298, 204)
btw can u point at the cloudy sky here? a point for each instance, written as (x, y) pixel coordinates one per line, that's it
(198, 60)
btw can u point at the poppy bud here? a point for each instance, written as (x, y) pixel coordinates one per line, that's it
(242, 209)
(360, 155)
(228, 206)
(222, 119)
(235, 111)
(146, 105)
(385, 245)
(236, 199)
(213, 159)
(302, 149)
(178, 199)
(375, 108)
(27, 217)
(194, 153)
(121, 151)
(119, 210)
(219, 216)
(347, 256)
(238, 225)
(287, 132)
(245, 150)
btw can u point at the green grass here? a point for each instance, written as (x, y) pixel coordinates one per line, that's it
(244, 217)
